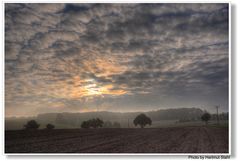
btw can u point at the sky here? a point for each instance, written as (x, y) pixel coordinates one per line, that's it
(115, 57)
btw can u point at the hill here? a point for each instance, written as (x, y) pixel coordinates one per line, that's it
(73, 120)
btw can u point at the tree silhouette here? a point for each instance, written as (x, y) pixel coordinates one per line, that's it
(94, 123)
(206, 117)
(50, 126)
(32, 124)
(85, 125)
(142, 120)
(99, 122)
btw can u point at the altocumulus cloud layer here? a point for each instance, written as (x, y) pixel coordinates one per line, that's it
(117, 57)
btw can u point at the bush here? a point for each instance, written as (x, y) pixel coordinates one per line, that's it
(50, 126)
(206, 117)
(32, 124)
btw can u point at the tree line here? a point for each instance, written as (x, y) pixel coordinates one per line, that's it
(141, 120)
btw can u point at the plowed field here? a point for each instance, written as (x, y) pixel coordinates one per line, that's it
(147, 140)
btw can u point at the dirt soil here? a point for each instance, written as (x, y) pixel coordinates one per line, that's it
(149, 140)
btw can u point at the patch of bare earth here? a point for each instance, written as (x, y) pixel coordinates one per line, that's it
(149, 140)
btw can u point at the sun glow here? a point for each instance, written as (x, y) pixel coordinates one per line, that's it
(93, 89)
(79, 88)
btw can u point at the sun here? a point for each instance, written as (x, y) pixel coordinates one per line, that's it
(93, 89)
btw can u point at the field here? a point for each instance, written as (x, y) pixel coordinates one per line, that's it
(197, 139)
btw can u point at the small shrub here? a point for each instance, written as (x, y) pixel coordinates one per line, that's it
(50, 126)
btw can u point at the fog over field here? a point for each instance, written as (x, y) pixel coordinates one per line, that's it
(115, 57)
(160, 118)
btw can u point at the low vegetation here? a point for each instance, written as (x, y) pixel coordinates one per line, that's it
(50, 126)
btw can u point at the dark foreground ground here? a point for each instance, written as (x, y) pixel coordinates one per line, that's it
(161, 140)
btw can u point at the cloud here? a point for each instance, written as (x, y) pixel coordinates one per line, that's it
(73, 56)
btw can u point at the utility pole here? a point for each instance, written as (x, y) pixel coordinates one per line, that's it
(128, 123)
(217, 115)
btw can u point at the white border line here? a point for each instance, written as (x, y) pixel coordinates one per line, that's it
(229, 79)
(120, 154)
(3, 71)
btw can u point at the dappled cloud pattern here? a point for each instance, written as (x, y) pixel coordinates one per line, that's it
(118, 57)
